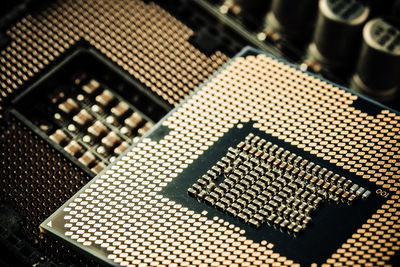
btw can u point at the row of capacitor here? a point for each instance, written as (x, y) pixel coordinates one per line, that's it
(358, 41)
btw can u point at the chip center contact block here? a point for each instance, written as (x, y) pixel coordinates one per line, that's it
(266, 183)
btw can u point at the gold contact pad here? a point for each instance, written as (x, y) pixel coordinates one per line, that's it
(143, 39)
(282, 101)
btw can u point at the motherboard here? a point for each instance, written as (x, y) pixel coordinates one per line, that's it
(191, 132)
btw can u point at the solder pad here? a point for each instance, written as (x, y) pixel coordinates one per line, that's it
(139, 211)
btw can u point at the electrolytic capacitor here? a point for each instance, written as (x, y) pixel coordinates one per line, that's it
(293, 18)
(378, 68)
(338, 31)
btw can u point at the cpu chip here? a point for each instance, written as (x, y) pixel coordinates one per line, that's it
(263, 164)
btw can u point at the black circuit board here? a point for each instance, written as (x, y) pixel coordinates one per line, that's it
(48, 154)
